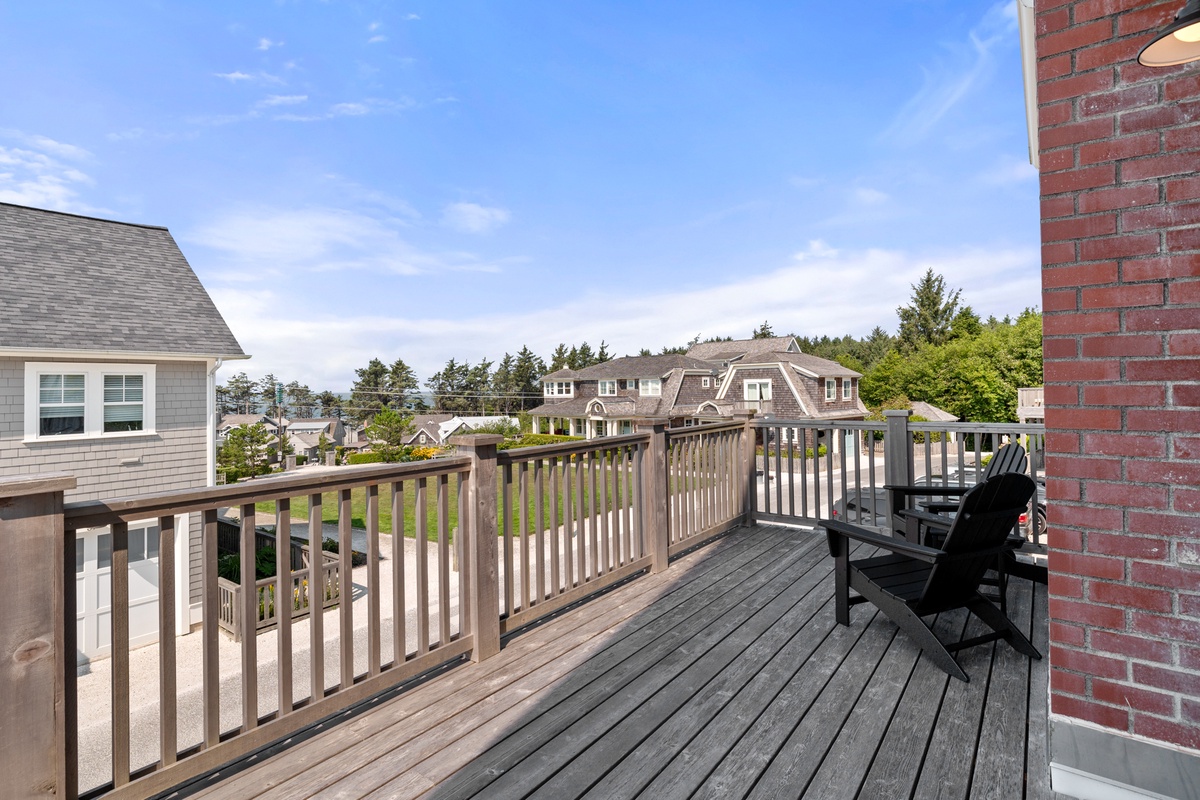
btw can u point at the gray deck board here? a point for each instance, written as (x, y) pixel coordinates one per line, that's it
(723, 677)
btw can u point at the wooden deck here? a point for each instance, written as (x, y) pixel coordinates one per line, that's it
(724, 677)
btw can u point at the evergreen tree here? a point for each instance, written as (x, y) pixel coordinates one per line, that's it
(266, 394)
(302, 403)
(387, 432)
(928, 316)
(239, 395)
(401, 385)
(331, 404)
(763, 331)
(504, 384)
(527, 373)
(559, 358)
(602, 354)
(245, 450)
(369, 392)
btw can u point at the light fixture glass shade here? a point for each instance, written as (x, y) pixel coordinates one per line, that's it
(1178, 43)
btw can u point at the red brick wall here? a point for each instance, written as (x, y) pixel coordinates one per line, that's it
(1120, 148)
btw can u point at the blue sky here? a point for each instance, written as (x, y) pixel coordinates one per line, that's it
(429, 180)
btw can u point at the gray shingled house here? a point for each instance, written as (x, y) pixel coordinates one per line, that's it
(769, 376)
(109, 346)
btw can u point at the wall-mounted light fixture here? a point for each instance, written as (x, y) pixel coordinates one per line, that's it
(1178, 43)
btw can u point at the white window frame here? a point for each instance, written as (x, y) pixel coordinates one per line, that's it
(847, 392)
(830, 390)
(580, 426)
(93, 398)
(650, 387)
(758, 382)
(705, 382)
(610, 386)
(558, 389)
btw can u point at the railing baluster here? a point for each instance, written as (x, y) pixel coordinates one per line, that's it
(399, 615)
(568, 478)
(606, 563)
(167, 678)
(210, 657)
(284, 598)
(422, 541)
(464, 552)
(579, 528)
(249, 598)
(597, 564)
(316, 599)
(523, 499)
(374, 614)
(620, 553)
(443, 527)
(638, 535)
(555, 586)
(119, 608)
(539, 520)
(345, 588)
(506, 477)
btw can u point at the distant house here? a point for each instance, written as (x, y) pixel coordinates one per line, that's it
(430, 430)
(109, 347)
(768, 376)
(305, 435)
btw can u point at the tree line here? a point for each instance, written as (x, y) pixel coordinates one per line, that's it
(942, 353)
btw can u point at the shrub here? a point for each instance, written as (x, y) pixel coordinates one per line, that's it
(229, 566)
(423, 453)
(536, 439)
(364, 458)
(821, 451)
(301, 459)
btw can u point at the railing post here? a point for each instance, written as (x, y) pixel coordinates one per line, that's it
(655, 492)
(897, 458)
(482, 555)
(749, 488)
(37, 646)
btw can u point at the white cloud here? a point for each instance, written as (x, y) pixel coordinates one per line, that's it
(953, 76)
(267, 44)
(1009, 170)
(377, 39)
(374, 26)
(307, 338)
(38, 175)
(256, 245)
(412, 17)
(473, 218)
(870, 197)
(349, 110)
(817, 248)
(283, 100)
(242, 77)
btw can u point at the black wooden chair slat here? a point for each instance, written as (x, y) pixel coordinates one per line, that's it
(907, 586)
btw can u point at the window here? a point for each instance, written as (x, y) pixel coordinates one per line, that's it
(60, 404)
(830, 389)
(705, 381)
(607, 388)
(581, 427)
(88, 400)
(626, 426)
(756, 390)
(122, 403)
(650, 387)
(846, 390)
(558, 389)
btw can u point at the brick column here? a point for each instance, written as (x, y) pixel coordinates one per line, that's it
(1121, 297)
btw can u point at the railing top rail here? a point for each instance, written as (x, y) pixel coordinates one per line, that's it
(700, 430)
(94, 513)
(517, 455)
(845, 424)
(979, 427)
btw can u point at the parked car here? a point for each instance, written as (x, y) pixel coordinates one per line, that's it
(860, 507)
(1039, 512)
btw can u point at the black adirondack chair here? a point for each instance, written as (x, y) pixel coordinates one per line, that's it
(909, 522)
(913, 580)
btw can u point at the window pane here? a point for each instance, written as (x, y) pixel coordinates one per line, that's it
(50, 381)
(79, 560)
(152, 534)
(104, 551)
(137, 544)
(61, 420)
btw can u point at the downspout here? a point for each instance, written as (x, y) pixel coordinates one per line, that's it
(1026, 21)
(211, 413)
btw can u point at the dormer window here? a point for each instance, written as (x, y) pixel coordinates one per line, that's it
(830, 390)
(650, 387)
(606, 388)
(847, 391)
(558, 389)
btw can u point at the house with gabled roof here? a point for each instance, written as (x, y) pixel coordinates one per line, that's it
(109, 346)
(713, 380)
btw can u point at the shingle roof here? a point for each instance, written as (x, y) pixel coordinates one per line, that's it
(725, 351)
(77, 283)
(630, 367)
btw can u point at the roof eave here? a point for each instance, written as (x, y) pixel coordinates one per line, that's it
(142, 355)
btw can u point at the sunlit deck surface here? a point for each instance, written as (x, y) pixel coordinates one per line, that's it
(724, 677)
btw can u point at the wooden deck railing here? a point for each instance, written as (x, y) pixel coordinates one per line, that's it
(537, 529)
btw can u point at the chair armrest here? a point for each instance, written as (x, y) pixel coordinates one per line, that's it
(938, 506)
(933, 491)
(926, 518)
(835, 529)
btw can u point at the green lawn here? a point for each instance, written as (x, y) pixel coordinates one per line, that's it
(358, 505)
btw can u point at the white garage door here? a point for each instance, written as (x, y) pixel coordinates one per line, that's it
(93, 589)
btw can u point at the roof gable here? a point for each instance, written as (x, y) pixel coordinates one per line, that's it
(76, 284)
